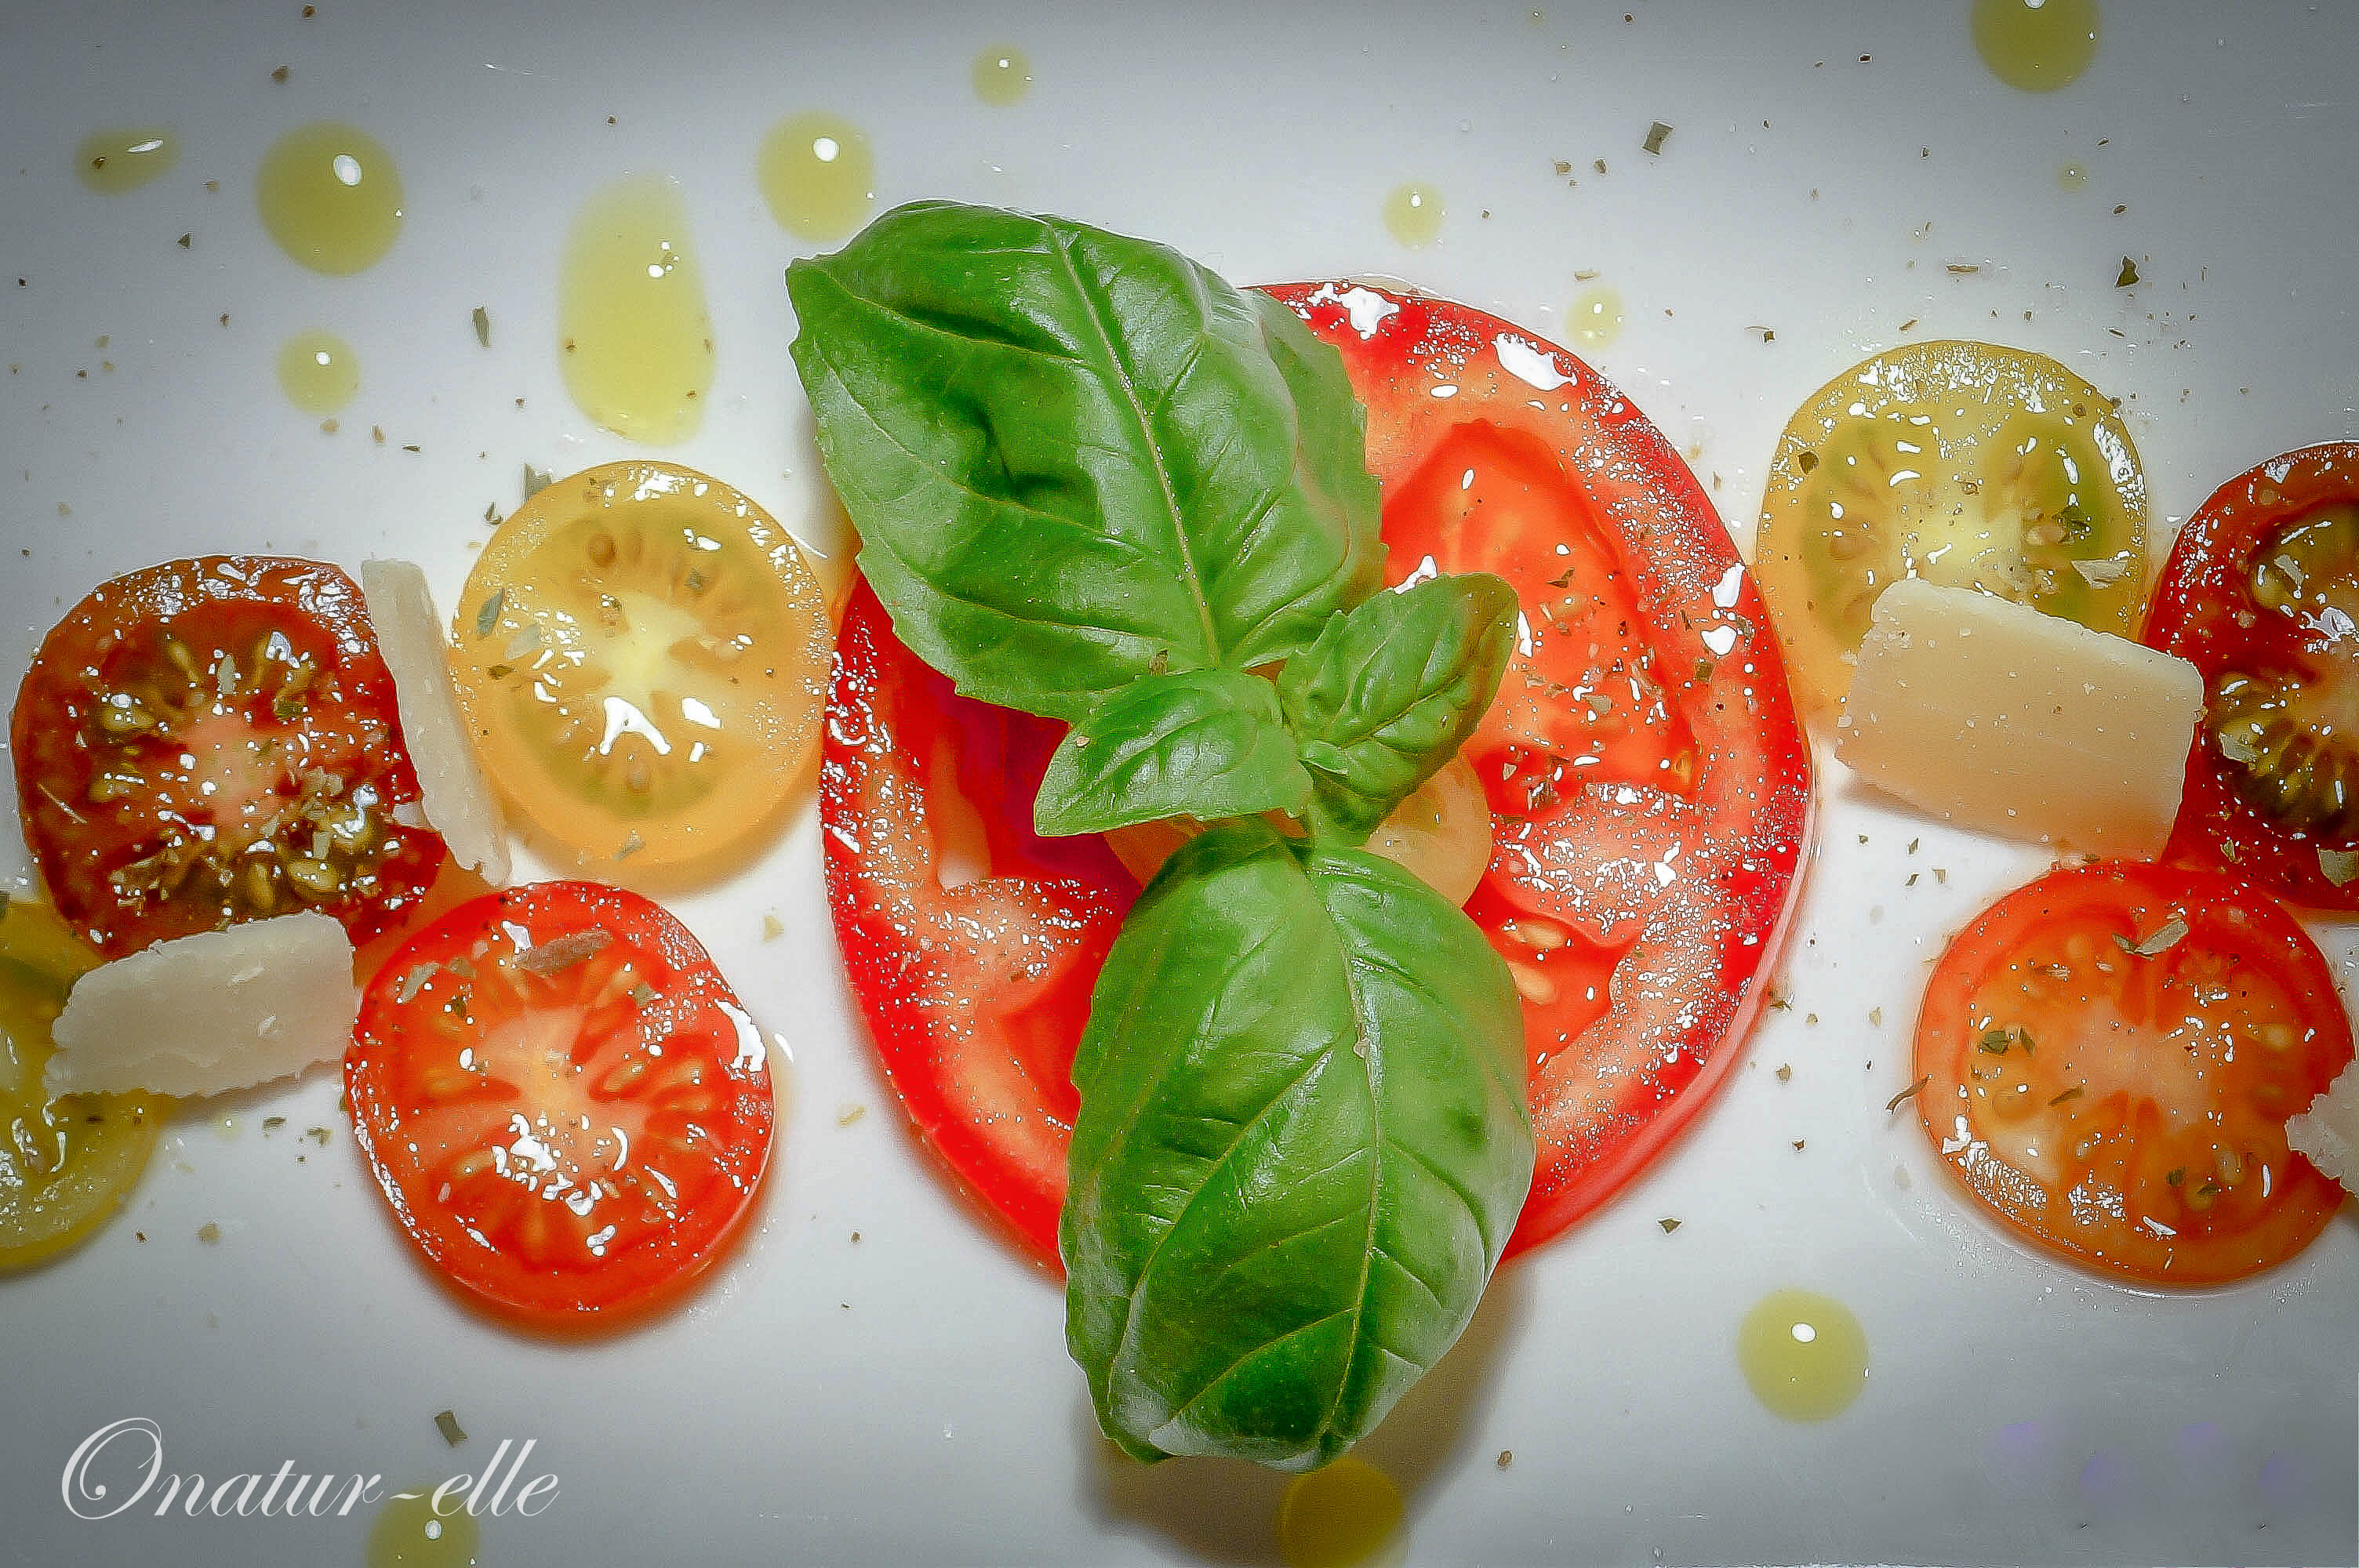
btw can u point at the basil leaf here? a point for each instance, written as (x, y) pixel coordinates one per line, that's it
(1301, 1145)
(1067, 452)
(1206, 743)
(1391, 690)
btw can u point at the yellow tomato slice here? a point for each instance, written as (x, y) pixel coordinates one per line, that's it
(642, 655)
(65, 1164)
(1968, 464)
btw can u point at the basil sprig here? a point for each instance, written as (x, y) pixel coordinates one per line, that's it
(1093, 481)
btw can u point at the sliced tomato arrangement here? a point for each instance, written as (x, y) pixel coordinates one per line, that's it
(1647, 780)
(212, 740)
(2262, 595)
(563, 1101)
(2109, 1056)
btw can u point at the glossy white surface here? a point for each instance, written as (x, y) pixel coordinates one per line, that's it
(871, 1379)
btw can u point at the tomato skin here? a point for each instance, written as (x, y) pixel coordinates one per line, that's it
(975, 994)
(2146, 1076)
(342, 726)
(1611, 1086)
(570, 1139)
(2195, 614)
(1538, 469)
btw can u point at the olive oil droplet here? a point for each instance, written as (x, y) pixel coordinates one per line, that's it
(330, 198)
(114, 161)
(2036, 45)
(1002, 77)
(635, 337)
(1594, 319)
(2073, 177)
(1804, 1354)
(1413, 214)
(318, 372)
(818, 174)
(409, 1533)
(1343, 1516)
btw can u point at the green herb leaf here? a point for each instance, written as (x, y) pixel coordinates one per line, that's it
(483, 319)
(487, 615)
(2164, 938)
(536, 481)
(1202, 743)
(1066, 450)
(1301, 1146)
(2338, 866)
(1391, 690)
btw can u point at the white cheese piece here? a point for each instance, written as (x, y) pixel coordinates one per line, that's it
(2328, 1132)
(1991, 715)
(222, 1009)
(450, 783)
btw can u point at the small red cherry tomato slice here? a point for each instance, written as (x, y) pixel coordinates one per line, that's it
(2109, 1056)
(971, 942)
(562, 1100)
(2262, 595)
(1648, 780)
(212, 740)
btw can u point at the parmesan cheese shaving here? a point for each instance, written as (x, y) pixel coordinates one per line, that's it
(199, 1015)
(1991, 715)
(458, 800)
(2328, 1132)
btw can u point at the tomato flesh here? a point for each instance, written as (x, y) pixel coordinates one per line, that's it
(2261, 594)
(975, 987)
(212, 740)
(563, 1102)
(1648, 783)
(2109, 1056)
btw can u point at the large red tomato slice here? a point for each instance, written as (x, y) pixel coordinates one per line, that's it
(1649, 783)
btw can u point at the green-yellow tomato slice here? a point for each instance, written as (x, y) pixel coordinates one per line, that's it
(1969, 464)
(65, 1164)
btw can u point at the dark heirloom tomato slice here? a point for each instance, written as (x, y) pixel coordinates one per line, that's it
(1649, 782)
(2262, 595)
(212, 740)
(971, 942)
(562, 1100)
(2109, 1056)
(1649, 785)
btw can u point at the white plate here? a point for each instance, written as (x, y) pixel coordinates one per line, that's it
(904, 1397)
